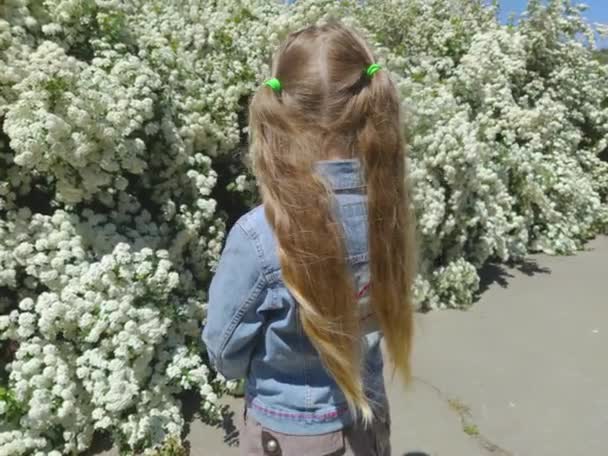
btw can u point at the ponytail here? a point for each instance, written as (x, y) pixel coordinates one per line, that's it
(326, 100)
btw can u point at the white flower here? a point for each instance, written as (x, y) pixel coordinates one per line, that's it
(111, 221)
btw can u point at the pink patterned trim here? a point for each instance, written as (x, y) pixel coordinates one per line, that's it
(363, 291)
(298, 416)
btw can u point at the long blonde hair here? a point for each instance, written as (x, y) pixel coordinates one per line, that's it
(328, 108)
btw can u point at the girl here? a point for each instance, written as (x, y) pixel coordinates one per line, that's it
(310, 282)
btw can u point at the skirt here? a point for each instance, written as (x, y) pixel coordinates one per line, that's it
(355, 440)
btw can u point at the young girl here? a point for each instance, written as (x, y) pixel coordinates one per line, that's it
(310, 282)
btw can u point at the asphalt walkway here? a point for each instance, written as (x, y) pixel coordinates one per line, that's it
(524, 372)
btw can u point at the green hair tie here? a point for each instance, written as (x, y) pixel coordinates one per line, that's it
(274, 84)
(372, 69)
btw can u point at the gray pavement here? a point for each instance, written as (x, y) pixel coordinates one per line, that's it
(524, 372)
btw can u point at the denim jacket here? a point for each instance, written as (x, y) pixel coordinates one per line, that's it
(253, 330)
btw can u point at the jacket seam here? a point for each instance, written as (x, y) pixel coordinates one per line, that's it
(238, 317)
(252, 297)
(252, 235)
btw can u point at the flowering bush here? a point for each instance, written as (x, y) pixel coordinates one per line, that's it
(506, 124)
(118, 174)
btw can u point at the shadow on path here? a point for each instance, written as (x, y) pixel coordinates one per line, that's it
(231, 432)
(191, 403)
(498, 273)
(101, 444)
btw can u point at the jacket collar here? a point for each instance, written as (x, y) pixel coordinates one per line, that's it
(341, 174)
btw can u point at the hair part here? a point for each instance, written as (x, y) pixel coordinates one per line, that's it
(328, 108)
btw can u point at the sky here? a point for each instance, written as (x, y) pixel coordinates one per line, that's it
(597, 11)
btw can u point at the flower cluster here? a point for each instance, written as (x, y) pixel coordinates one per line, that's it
(121, 131)
(507, 125)
(109, 348)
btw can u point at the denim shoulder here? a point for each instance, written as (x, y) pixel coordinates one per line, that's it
(238, 293)
(256, 225)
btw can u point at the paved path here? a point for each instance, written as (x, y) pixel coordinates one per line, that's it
(523, 373)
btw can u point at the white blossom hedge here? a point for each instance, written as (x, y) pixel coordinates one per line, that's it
(121, 143)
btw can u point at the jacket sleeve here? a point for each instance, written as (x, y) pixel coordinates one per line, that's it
(233, 321)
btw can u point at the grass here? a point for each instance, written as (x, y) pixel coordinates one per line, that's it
(464, 411)
(172, 447)
(471, 429)
(459, 407)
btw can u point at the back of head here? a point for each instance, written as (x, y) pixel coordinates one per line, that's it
(329, 107)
